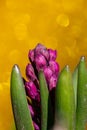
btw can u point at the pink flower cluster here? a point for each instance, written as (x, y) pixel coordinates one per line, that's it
(41, 58)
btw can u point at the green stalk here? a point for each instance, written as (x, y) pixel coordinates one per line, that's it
(81, 111)
(46, 109)
(65, 100)
(21, 112)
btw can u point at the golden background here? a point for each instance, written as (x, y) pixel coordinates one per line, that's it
(58, 24)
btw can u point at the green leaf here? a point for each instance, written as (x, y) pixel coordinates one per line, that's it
(21, 112)
(75, 81)
(65, 100)
(46, 109)
(81, 111)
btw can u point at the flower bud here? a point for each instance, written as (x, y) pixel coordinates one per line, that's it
(54, 67)
(40, 49)
(48, 73)
(30, 72)
(31, 55)
(31, 110)
(40, 62)
(52, 82)
(32, 91)
(52, 54)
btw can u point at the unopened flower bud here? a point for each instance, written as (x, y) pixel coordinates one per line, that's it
(48, 73)
(40, 61)
(30, 72)
(52, 82)
(31, 55)
(54, 67)
(31, 110)
(52, 54)
(40, 49)
(32, 91)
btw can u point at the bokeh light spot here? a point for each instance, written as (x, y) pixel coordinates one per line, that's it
(63, 20)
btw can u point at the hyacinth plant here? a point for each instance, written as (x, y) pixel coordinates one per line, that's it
(49, 99)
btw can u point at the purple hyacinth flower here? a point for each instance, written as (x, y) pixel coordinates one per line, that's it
(41, 58)
(54, 67)
(53, 54)
(31, 110)
(40, 49)
(31, 55)
(52, 82)
(40, 62)
(36, 126)
(32, 91)
(30, 72)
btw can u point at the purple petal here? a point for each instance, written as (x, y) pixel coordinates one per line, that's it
(31, 55)
(53, 54)
(36, 126)
(30, 72)
(52, 82)
(40, 61)
(48, 73)
(54, 67)
(45, 53)
(31, 110)
(32, 91)
(40, 49)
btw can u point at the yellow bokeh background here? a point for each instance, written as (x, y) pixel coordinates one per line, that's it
(58, 24)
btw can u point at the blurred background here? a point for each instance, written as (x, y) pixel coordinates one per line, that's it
(58, 24)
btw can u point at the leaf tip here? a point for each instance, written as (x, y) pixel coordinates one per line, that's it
(16, 68)
(82, 58)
